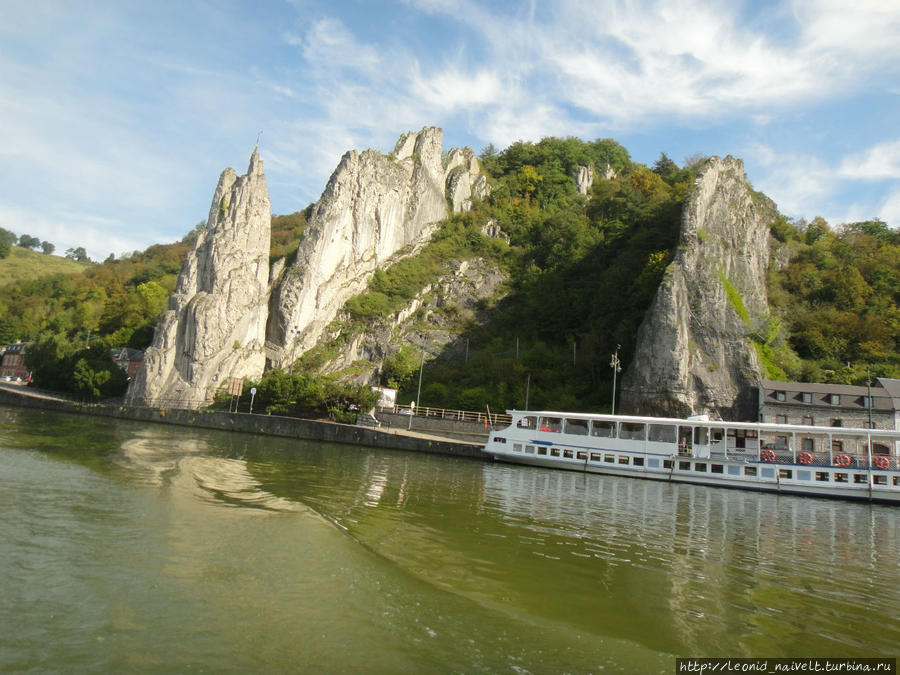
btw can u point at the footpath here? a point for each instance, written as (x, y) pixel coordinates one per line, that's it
(393, 438)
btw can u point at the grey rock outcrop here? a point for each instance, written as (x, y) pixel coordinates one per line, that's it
(693, 355)
(373, 206)
(214, 328)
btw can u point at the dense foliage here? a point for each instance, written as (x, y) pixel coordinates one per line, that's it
(838, 300)
(296, 395)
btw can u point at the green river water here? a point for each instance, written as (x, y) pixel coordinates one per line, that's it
(129, 547)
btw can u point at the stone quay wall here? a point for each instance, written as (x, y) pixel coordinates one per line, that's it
(285, 427)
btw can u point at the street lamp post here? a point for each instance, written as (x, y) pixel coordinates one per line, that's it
(616, 366)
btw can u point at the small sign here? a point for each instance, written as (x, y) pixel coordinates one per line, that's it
(236, 386)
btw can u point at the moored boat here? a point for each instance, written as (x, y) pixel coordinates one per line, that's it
(796, 459)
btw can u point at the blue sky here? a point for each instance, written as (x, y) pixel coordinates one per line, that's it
(117, 117)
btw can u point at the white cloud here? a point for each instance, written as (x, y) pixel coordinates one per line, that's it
(890, 209)
(878, 162)
(451, 88)
(329, 44)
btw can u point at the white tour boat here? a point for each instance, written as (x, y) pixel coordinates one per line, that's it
(795, 459)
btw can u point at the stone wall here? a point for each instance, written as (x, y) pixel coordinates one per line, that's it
(286, 427)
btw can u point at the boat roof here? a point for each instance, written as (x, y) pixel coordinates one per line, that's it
(767, 426)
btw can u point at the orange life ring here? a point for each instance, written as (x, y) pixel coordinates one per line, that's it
(767, 455)
(842, 460)
(882, 462)
(805, 457)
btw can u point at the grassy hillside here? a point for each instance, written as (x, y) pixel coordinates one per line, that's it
(24, 265)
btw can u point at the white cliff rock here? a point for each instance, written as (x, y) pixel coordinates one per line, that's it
(373, 206)
(584, 179)
(693, 354)
(214, 328)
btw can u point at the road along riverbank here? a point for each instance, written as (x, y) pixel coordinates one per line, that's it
(394, 438)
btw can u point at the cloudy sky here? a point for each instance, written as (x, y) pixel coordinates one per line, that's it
(117, 117)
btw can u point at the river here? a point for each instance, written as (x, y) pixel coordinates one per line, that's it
(131, 547)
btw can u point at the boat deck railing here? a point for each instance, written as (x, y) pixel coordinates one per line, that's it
(846, 460)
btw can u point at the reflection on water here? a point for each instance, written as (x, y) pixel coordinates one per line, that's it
(144, 547)
(188, 461)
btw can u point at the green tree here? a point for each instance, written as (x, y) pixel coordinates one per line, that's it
(77, 254)
(28, 241)
(47, 247)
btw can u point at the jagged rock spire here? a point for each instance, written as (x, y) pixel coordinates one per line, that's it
(214, 328)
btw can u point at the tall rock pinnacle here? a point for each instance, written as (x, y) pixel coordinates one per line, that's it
(693, 354)
(214, 328)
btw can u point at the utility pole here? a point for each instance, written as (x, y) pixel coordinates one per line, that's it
(616, 365)
(869, 394)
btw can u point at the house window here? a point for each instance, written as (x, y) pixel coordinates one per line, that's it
(806, 397)
(809, 445)
(780, 396)
(837, 422)
(808, 420)
(781, 419)
(834, 399)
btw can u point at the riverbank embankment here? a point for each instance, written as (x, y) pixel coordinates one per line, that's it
(394, 438)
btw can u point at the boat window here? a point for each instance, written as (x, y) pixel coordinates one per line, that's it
(542, 450)
(668, 463)
(632, 430)
(609, 458)
(879, 480)
(517, 447)
(623, 459)
(528, 422)
(553, 424)
(569, 454)
(749, 470)
(638, 461)
(717, 468)
(879, 449)
(577, 427)
(809, 445)
(603, 429)
(529, 449)
(896, 481)
(595, 457)
(700, 466)
(554, 452)
(684, 466)
(734, 470)
(661, 433)
(837, 447)
(701, 435)
(581, 455)
(840, 477)
(860, 478)
(822, 476)
(785, 473)
(717, 435)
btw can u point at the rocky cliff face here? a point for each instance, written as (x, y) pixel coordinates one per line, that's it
(373, 206)
(214, 328)
(693, 355)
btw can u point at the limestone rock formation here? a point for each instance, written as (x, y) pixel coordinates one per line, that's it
(373, 206)
(464, 179)
(214, 328)
(693, 355)
(584, 179)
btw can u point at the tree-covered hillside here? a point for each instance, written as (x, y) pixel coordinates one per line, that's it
(582, 271)
(838, 299)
